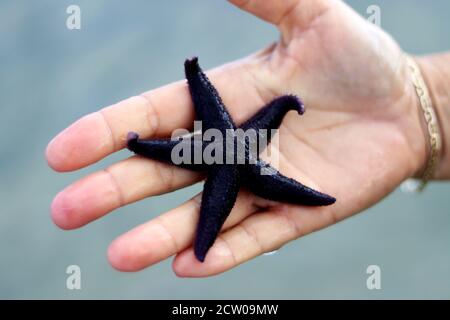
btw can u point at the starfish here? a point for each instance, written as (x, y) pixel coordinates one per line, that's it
(225, 177)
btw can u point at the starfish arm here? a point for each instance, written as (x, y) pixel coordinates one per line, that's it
(209, 107)
(265, 181)
(161, 150)
(271, 115)
(218, 198)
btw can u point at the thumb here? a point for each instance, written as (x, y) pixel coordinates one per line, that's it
(281, 12)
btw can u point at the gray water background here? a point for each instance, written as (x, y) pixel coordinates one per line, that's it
(50, 76)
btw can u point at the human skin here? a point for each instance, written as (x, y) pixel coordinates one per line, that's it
(363, 133)
(436, 70)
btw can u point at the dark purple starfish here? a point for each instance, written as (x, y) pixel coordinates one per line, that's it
(224, 177)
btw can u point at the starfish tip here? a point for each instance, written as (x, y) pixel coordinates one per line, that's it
(299, 105)
(301, 109)
(132, 138)
(292, 102)
(329, 200)
(191, 65)
(200, 255)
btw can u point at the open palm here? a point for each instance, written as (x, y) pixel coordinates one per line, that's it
(359, 138)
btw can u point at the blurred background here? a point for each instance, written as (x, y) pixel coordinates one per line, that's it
(50, 76)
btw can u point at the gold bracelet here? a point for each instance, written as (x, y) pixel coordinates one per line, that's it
(431, 121)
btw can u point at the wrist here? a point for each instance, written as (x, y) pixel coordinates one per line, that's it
(436, 74)
(413, 125)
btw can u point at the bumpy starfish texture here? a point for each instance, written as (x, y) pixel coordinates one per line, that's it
(225, 177)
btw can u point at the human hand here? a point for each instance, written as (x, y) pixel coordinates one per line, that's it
(360, 137)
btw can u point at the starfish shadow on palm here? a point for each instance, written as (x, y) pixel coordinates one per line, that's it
(234, 168)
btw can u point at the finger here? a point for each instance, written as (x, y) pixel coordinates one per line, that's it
(167, 234)
(122, 183)
(257, 234)
(270, 10)
(284, 13)
(155, 113)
